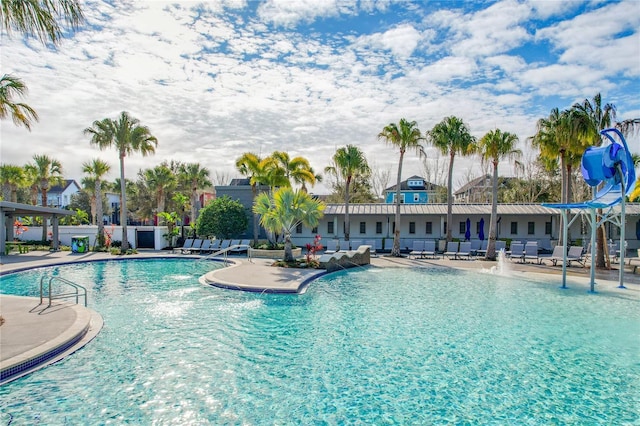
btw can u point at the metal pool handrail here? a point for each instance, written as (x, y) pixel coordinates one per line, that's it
(79, 290)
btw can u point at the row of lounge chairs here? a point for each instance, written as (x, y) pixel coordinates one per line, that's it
(455, 249)
(333, 246)
(207, 246)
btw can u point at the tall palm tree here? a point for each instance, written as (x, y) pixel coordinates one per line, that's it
(493, 147)
(196, 178)
(451, 136)
(97, 169)
(252, 166)
(296, 169)
(285, 210)
(160, 180)
(404, 135)
(31, 178)
(348, 163)
(12, 177)
(22, 114)
(49, 172)
(127, 136)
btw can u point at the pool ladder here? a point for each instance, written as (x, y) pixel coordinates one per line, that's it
(77, 292)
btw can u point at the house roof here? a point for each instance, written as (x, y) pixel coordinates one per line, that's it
(458, 209)
(478, 182)
(404, 186)
(64, 186)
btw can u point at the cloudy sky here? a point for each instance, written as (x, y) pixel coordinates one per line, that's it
(216, 79)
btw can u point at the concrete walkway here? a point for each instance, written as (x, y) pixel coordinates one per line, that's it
(31, 330)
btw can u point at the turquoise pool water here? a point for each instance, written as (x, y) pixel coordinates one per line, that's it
(366, 346)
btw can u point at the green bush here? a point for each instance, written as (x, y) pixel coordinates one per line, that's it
(223, 218)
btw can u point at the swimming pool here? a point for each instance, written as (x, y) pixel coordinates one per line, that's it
(404, 346)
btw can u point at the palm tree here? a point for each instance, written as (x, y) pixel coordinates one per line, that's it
(41, 18)
(251, 165)
(404, 135)
(21, 114)
(196, 178)
(49, 172)
(97, 169)
(12, 177)
(451, 136)
(160, 180)
(297, 169)
(285, 210)
(495, 146)
(127, 136)
(31, 178)
(348, 163)
(36, 18)
(596, 117)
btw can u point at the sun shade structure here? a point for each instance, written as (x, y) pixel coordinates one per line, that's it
(612, 166)
(9, 211)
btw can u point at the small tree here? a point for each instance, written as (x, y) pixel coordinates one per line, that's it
(222, 217)
(285, 210)
(171, 220)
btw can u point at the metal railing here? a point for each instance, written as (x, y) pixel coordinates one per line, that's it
(77, 292)
(225, 252)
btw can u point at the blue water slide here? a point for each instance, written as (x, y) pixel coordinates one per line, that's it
(610, 164)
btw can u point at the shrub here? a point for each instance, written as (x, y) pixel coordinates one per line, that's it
(223, 217)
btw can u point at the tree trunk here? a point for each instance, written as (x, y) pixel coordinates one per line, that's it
(452, 155)
(288, 253)
(493, 225)
(347, 221)
(601, 239)
(395, 251)
(99, 213)
(44, 186)
(256, 222)
(123, 207)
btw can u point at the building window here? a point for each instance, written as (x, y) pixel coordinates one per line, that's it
(378, 227)
(416, 198)
(429, 228)
(299, 228)
(445, 227)
(412, 227)
(463, 227)
(329, 227)
(531, 228)
(547, 228)
(314, 230)
(393, 228)
(514, 228)
(363, 227)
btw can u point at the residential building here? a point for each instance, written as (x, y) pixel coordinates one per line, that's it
(59, 196)
(478, 190)
(414, 190)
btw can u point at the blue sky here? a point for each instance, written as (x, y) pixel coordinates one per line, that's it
(214, 80)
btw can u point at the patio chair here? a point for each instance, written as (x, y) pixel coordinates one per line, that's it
(482, 251)
(188, 243)
(557, 255)
(205, 247)
(417, 250)
(476, 245)
(464, 250)
(531, 252)
(224, 244)
(501, 245)
(452, 249)
(575, 255)
(517, 252)
(197, 243)
(429, 249)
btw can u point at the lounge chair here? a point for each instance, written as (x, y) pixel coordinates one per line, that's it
(452, 249)
(482, 251)
(476, 245)
(531, 252)
(517, 252)
(501, 245)
(197, 243)
(215, 245)
(205, 247)
(464, 250)
(557, 255)
(429, 249)
(575, 255)
(188, 243)
(417, 250)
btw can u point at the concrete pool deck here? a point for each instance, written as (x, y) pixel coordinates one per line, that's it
(31, 329)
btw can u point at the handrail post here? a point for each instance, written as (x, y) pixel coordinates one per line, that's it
(50, 279)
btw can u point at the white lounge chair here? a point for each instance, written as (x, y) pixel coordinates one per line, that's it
(557, 255)
(517, 252)
(531, 252)
(452, 249)
(575, 255)
(429, 249)
(464, 250)
(417, 250)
